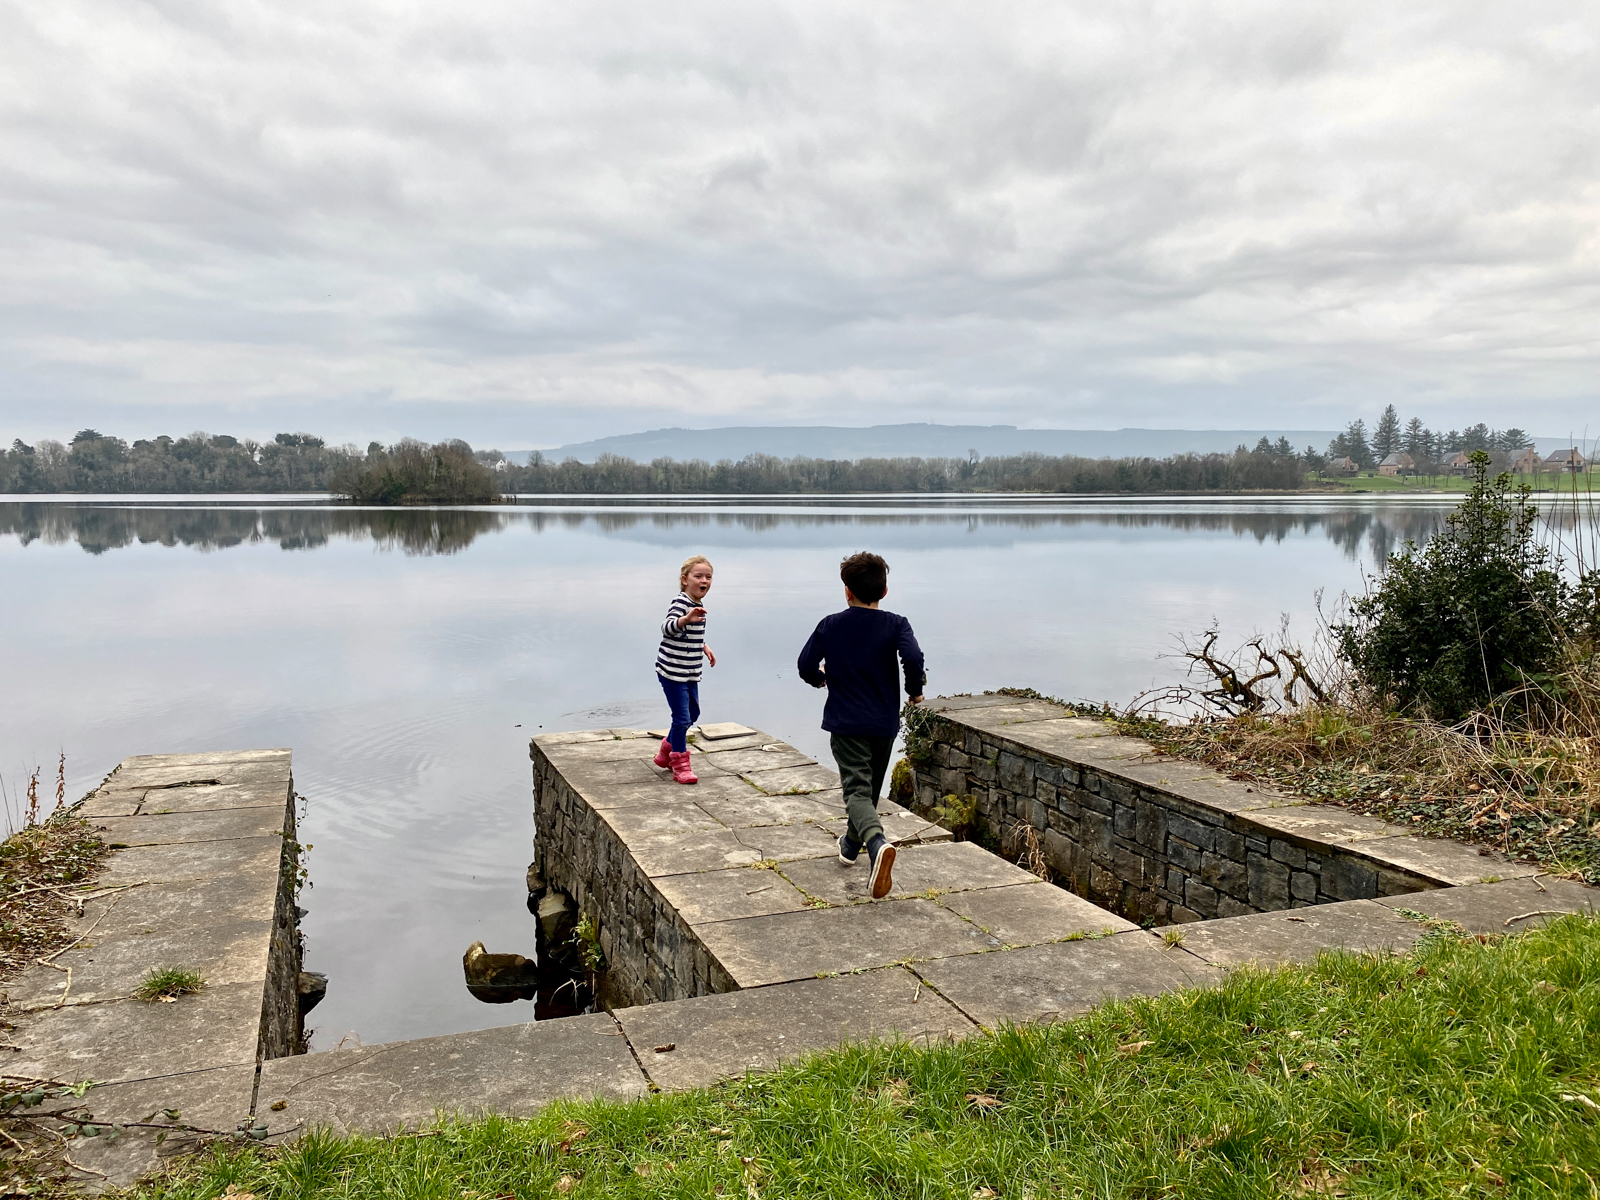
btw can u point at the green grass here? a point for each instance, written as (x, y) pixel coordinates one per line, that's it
(1444, 483)
(163, 983)
(1440, 1074)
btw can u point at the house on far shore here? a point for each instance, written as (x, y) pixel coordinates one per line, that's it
(1343, 466)
(1459, 463)
(1566, 460)
(1528, 462)
(1398, 463)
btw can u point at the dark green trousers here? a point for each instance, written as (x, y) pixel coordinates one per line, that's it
(863, 762)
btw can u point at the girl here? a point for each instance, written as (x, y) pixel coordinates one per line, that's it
(683, 642)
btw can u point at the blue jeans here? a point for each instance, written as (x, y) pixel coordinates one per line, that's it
(684, 700)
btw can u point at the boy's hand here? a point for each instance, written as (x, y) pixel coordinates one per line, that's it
(688, 618)
(710, 657)
(915, 700)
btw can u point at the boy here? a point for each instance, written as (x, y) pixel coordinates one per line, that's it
(859, 646)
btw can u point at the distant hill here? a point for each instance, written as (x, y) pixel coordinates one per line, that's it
(920, 441)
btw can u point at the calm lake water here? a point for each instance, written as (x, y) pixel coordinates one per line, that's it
(408, 656)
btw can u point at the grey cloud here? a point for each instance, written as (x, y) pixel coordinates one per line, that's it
(536, 223)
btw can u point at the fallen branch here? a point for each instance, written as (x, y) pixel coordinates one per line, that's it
(1538, 912)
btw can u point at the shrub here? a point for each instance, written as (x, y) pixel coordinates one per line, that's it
(1473, 615)
(411, 472)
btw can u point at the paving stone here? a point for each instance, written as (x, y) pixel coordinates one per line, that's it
(216, 1099)
(755, 808)
(589, 777)
(1444, 862)
(786, 843)
(187, 861)
(720, 1037)
(548, 741)
(1026, 914)
(945, 867)
(746, 761)
(754, 741)
(279, 757)
(1000, 717)
(679, 853)
(224, 952)
(1324, 824)
(794, 780)
(1062, 980)
(801, 945)
(1515, 904)
(719, 731)
(133, 1039)
(661, 790)
(213, 796)
(1298, 935)
(962, 703)
(109, 802)
(599, 751)
(901, 828)
(514, 1070)
(643, 820)
(1218, 792)
(219, 825)
(190, 904)
(728, 895)
(185, 773)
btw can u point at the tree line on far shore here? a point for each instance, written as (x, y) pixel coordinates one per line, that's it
(410, 471)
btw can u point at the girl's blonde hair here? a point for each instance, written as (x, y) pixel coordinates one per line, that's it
(688, 565)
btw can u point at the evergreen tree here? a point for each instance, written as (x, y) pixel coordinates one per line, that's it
(1386, 437)
(1477, 437)
(1355, 444)
(1282, 448)
(1514, 440)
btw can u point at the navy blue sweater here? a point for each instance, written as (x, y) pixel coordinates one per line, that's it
(859, 646)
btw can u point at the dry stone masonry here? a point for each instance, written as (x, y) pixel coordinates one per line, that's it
(1158, 839)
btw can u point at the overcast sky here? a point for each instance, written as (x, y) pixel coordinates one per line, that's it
(529, 223)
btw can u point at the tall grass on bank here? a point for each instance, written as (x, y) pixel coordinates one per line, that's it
(1466, 1068)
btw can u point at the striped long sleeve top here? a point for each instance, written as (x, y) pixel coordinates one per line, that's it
(683, 651)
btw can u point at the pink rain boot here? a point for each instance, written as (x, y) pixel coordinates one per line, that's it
(661, 759)
(680, 767)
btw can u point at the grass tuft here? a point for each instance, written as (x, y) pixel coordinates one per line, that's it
(1464, 1068)
(168, 983)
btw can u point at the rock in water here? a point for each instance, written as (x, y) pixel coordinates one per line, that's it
(535, 879)
(497, 970)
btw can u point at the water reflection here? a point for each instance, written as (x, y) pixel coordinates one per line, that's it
(1356, 529)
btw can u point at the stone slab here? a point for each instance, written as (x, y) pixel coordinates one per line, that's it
(962, 703)
(132, 1039)
(547, 741)
(514, 1070)
(801, 945)
(1026, 915)
(589, 777)
(1324, 824)
(615, 750)
(662, 790)
(679, 853)
(644, 820)
(215, 1100)
(901, 828)
(941, 867)
(1016, 712)
(754, 741)
(796, 780)
(113, 964)
(742, 762)
(202, 773)
(755, 808)
(724, 1036)
(1501, 907)
(190, 861)
(719, 731)
(729, 895)
(279, 756)
(786, 843)
(214, 796)
(217, 825)
(1299, 935)
(1062, 980)
(111, 802)
(1444, 862)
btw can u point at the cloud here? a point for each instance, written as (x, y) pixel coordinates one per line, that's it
(528, 222)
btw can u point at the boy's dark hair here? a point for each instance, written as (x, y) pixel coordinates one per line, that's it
(866, 575)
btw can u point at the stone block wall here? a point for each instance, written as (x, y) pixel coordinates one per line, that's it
(651, 954)
(1113, 832)
(282, 1024)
